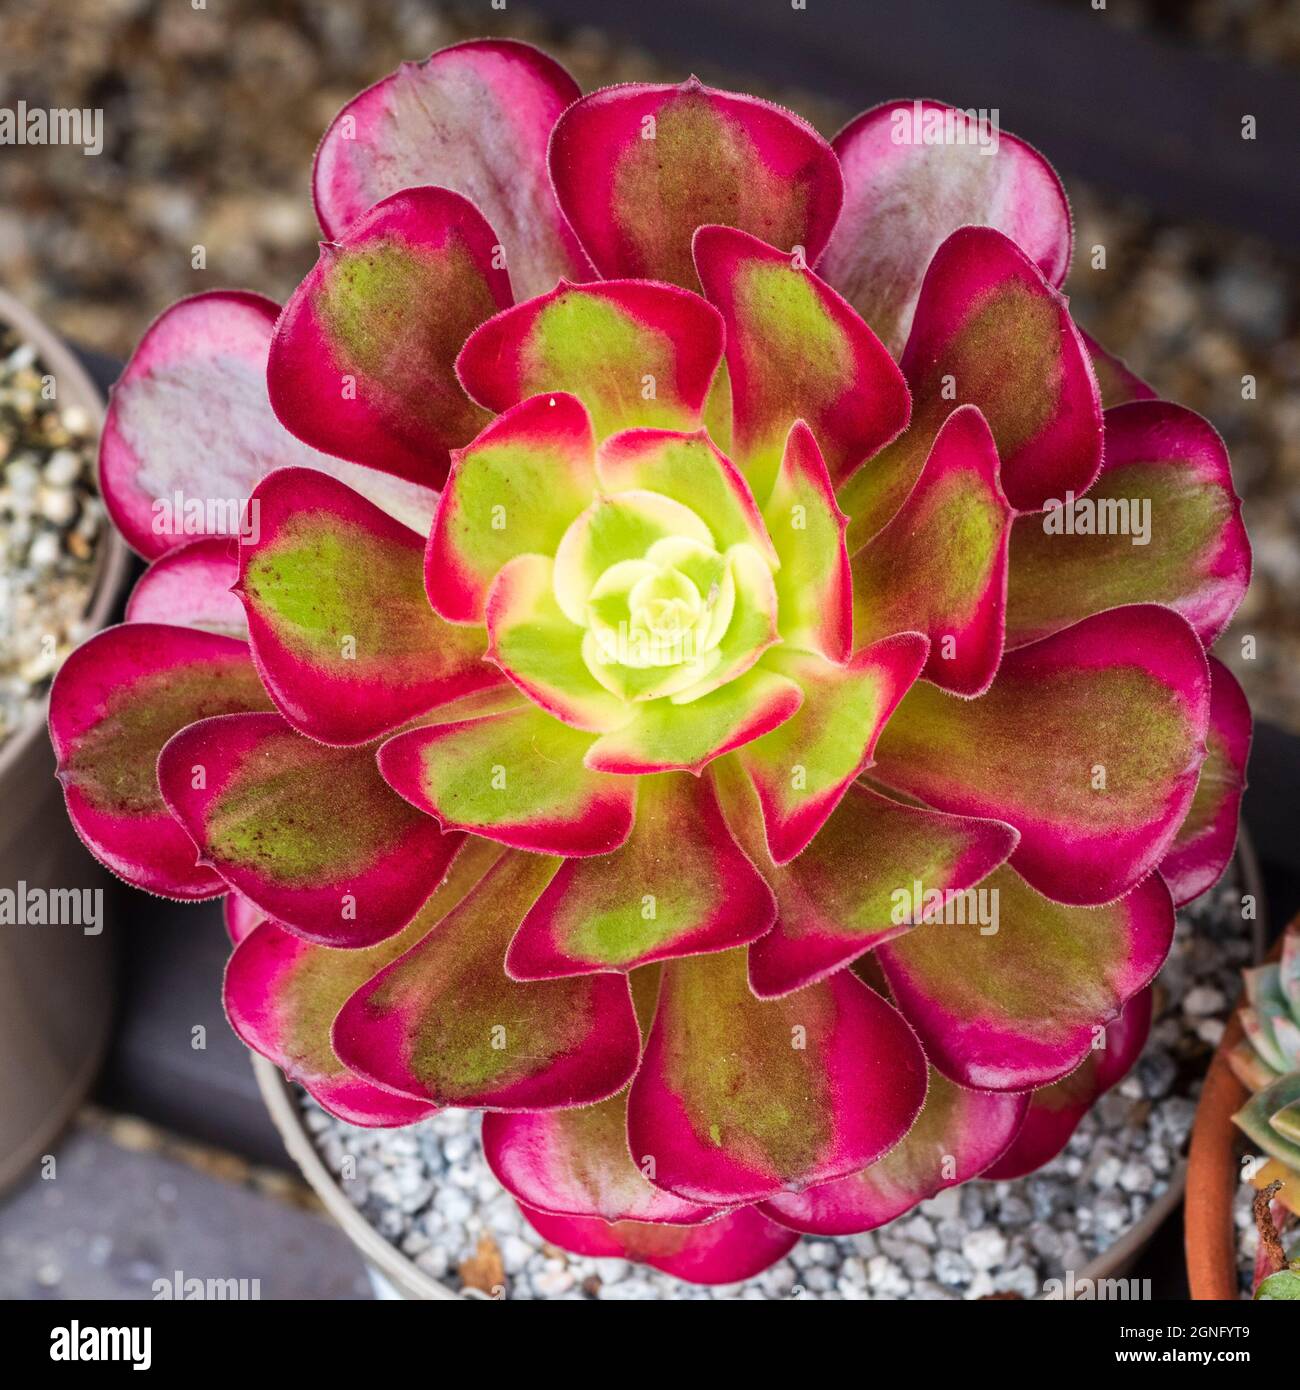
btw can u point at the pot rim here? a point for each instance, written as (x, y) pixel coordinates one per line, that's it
(413, 1282)
(113, 556)
(1213, 1169)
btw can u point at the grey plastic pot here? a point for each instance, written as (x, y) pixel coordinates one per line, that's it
(396, 1275)
(56, 983)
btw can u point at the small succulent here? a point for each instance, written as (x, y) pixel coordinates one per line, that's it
(1267, 1061)
(639, 629)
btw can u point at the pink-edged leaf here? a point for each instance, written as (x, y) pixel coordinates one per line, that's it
(282, 995)
(1115, 381)
(577, 1163)
(664, 737)
(916, 171)
(638, 168)
(679, 885)
(540, 649)
(1055, 1111)
(955, 1138)
(516, 777)
(1162, 524)
(474, 118)
(690, 469)
(803, 767)
(1203, 846)
(1019, 1003)
(190, 430)
(514, 490)
(636, 353)
(241, 917)
(1088, 742)
(313, 835)
(340, 625)
(191, 587)
(724, 1251)
(940, 565)
(841, 897)
(362, 362)
(813, 585)
(739, 1098)
(989, 331)
(273, 988)
(446, 1023)
(115, 702)
(796, 350)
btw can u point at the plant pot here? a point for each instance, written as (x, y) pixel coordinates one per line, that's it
(56, 983)
(1214, 1176)
(397, 1275)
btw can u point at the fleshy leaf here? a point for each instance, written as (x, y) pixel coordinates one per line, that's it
(679, 885)
(241, 916)
(1170, 524)
(955, 1138)
(989, 331)
(474, 118)
(689, 469)
(739, 1098)
(1255, 1119)
(540, 650)
(515, 489)
(311, 834)
(282, 994)
(577, 1163)
(814, 597)
(516, 777)
(803, 767)
(665, 737)
(1017, 1004)
(853, 887)
(190, 430)
(1088, 742)
(1055, 1111)
(796, 350)
(634, 352)
(916, 171)
(446, 1023)
(115, 702)
(340, 625)
(190, 586)
(1115, 381)
(733, 1247)
(638, 168)
(362, 359)
(1203, 846)
(940, 566)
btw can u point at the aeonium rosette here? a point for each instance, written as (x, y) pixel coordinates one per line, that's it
(623, 787)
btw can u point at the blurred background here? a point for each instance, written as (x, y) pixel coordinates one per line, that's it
(212, 110)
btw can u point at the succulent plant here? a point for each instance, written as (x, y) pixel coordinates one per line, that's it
(1267, 1061)
(645, 633)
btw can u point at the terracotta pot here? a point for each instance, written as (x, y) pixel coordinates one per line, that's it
(56, 984)
(1214, 1175)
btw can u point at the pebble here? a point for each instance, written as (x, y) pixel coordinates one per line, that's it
(429, 1190)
